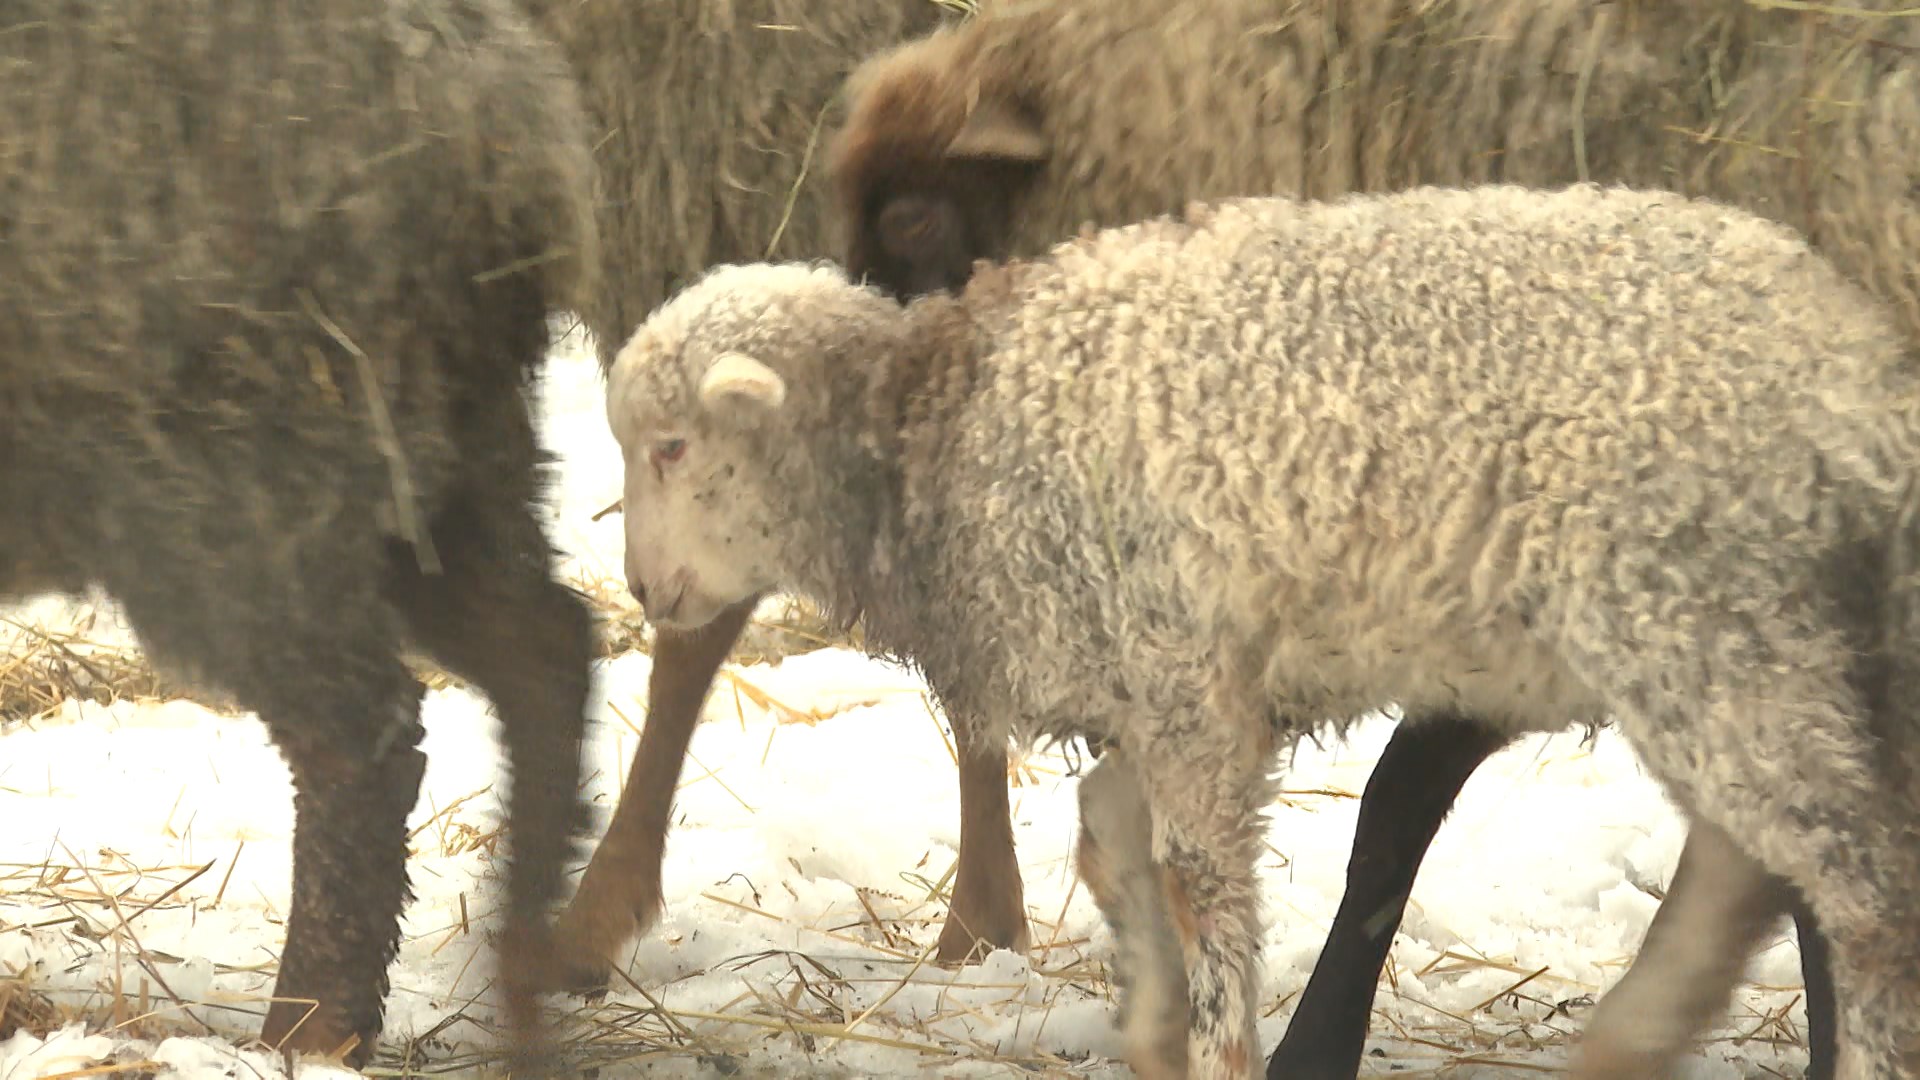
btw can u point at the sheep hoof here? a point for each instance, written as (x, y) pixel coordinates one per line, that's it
(295, 1028)
(530, 966)
(1157, 1054)
(959, 945)
(587, 939)
(1600, 1059)
(589, 982)
(579, 966)
(975, 928)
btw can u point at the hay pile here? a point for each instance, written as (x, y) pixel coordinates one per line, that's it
(22, 1008)
(81, 655)
(44, 663)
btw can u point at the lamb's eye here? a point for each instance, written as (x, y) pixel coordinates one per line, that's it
(667, 451)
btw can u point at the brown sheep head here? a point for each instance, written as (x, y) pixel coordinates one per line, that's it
(929, 167)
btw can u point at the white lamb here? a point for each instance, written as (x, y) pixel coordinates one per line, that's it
(1193, 485)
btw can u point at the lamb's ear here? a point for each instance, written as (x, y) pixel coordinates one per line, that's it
(998, 131)
(737, 375)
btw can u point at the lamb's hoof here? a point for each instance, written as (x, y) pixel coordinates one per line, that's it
(585, 943)
(590, 984)
(1602, 1059)
(959, 945)
(1157, 1056)
(579, 970)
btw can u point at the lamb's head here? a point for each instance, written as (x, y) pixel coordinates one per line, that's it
(718, 401)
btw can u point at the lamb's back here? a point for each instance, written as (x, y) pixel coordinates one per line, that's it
(1342, 348)
(1406, 414)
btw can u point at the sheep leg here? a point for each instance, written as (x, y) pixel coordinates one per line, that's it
(495, 618)
(1720, 904)
(349, 874)
(1869, 972)
(989, 907)
(1876, 972)
(1205, 795)
(619, 894)
(316, 654)
(1843, 855)
(1114, 857)
(1816, 972)
(1412, 788)
(1823, 815)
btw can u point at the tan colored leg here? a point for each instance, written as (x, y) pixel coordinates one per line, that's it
(989, 903)
(1115, 860)
(619, 895)
(1720, 904)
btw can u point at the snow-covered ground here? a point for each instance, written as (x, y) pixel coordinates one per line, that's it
(145, 856)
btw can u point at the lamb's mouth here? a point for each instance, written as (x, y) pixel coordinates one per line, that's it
(685, 608)
(662, 604)
(665, 615)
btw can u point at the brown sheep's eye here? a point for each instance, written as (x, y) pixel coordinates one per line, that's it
(668, 451)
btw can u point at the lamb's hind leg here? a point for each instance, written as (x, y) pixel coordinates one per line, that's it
(619, 894)
(1805, 792)
(1873, 947)
(1720, 904)
(1115, 860)
(1412, 787)
(1205, 794)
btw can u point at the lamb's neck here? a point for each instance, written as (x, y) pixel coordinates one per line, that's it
(915, 401)
(905, 593)
(838, 505)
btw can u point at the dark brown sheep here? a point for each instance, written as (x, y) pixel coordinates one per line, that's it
(272, 278)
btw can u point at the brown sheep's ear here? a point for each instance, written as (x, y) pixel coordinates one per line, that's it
(995, 130)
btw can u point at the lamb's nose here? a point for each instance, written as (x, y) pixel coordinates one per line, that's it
(638, 590)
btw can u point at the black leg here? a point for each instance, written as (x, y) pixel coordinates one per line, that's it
(1412, 787)
(1816, 971)
(349, 876)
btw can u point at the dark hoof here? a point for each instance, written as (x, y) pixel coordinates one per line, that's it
(298, 1028)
